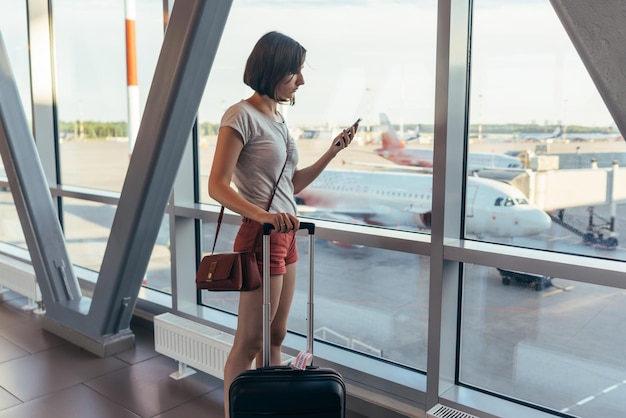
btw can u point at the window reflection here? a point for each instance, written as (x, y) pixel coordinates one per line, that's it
(532, 100)
(522, 333)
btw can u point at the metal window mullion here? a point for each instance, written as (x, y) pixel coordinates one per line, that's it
(451, 103)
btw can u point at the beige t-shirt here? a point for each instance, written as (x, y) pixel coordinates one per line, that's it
(262, 158)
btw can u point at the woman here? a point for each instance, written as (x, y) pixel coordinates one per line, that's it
(255, 150)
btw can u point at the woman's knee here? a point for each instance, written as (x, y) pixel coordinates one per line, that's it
(248, 347)
(278, 336)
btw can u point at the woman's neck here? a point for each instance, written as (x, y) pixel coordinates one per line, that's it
(265, 105)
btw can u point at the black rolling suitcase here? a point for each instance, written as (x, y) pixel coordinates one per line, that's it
(282, 391)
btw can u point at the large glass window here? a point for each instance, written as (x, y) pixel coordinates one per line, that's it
(13, 28)
(10, 226)
(542, 340)
(92, 93)
(93, 117)
(534, 105)
(87, 227)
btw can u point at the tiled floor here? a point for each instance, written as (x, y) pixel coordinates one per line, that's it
(42, 375)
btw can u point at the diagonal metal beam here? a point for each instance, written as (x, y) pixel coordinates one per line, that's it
(44, 238)
(598, 29)
(189, 48)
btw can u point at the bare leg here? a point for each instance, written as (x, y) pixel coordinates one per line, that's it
(281, 314)
(248, 339)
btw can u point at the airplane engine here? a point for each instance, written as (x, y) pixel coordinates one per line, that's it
(423, 220)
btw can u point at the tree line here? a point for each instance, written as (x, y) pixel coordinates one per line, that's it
(97, 130)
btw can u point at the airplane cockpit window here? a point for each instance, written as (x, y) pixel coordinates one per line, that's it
(510, 201)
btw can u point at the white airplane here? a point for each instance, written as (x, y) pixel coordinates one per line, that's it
(535, 137)
(397, 199)
(393, 149)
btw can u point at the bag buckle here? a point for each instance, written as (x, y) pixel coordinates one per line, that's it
(212, 268)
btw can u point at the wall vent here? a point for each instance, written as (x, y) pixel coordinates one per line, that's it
(19, 277)
(441, 411)
(192, 344)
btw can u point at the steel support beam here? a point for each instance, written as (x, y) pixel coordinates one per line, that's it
(33, 201)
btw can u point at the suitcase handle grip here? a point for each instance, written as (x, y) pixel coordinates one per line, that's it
(267, 227)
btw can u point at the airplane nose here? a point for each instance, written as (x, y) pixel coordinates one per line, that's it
(541, 222)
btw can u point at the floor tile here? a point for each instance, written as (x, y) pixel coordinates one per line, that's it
(75, 402)
(10, 316)
(210, 405)
(32, 337)
(10, 351)
(52, 370)
(7, 400)
(146, 388)
(143, 349)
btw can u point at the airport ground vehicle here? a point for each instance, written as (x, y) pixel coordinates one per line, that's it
(537, 281)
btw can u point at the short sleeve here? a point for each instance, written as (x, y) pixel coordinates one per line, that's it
(236, 118)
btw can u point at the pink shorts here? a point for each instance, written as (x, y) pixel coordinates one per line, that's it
(283, 248)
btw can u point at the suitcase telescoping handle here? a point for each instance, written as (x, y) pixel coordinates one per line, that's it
(267, 311)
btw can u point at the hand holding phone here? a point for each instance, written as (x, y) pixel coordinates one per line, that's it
(350, 130)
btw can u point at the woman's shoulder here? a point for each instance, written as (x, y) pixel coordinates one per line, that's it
(238, 111)
(238, 107)
(242, 109)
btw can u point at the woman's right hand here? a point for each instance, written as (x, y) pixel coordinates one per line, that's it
(283, 222)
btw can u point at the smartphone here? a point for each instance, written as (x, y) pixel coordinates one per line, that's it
(350, 130)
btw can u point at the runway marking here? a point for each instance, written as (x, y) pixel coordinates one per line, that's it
(558, 289)
(592, 397)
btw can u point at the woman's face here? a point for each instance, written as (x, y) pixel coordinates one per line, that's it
(287, 88)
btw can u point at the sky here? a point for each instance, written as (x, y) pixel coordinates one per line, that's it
(363, 58)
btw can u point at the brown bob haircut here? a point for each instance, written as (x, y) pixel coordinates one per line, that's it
(274, 57)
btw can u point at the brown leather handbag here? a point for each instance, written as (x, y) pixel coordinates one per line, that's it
(232, 271)
(236, 271)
